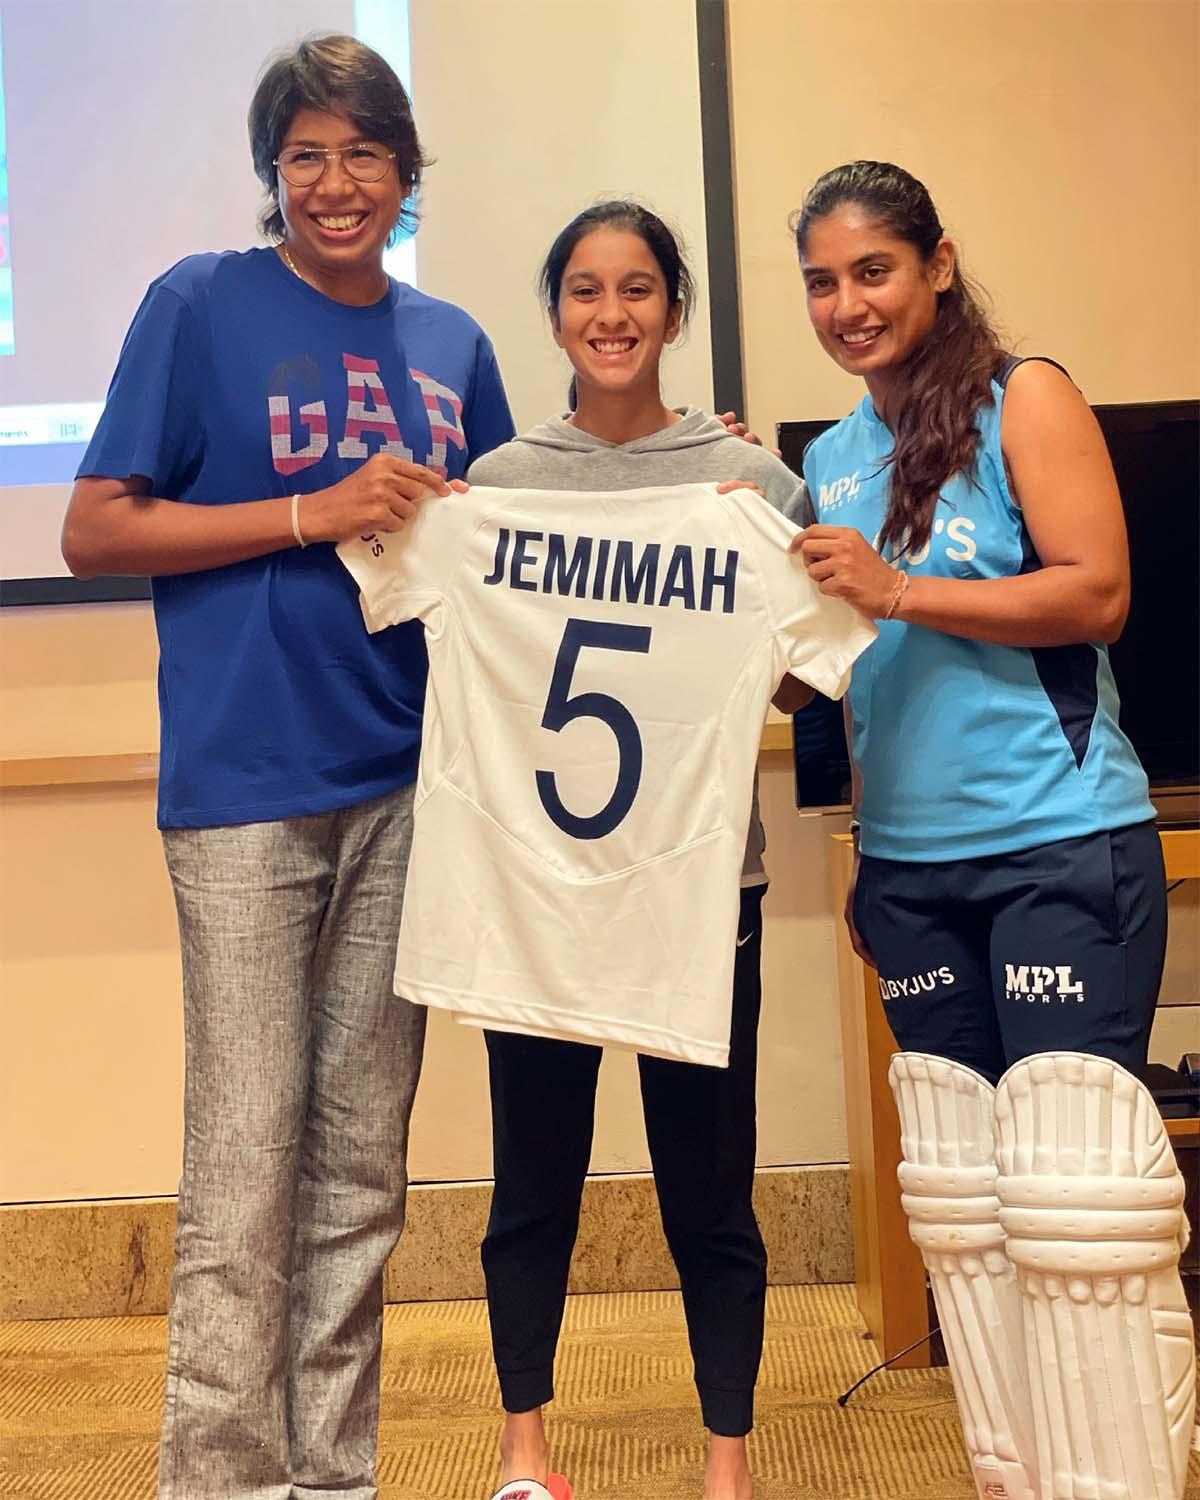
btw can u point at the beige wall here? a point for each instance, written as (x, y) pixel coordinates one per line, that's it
(1059, 138)
(534, 109)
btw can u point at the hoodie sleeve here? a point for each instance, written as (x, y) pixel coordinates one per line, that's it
(785, 490)
(798, 506)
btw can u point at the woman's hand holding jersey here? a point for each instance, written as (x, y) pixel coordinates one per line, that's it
(116, 526)
(843, 564)
(740, 430)
(380, 496)
(729, 485)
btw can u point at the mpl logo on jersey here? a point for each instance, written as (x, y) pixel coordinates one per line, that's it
(1044, 982)
(840, 492)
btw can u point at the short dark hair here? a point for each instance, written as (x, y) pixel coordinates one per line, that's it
(341, 75)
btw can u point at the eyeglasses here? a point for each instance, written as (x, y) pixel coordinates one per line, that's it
(301, 166)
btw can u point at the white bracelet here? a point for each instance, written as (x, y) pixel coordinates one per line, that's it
(300, 542)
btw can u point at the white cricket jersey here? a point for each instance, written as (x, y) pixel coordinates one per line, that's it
(600, 669)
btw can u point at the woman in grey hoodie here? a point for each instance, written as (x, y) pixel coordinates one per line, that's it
(617, 292)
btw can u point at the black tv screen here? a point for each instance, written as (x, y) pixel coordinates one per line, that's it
(1155, 449)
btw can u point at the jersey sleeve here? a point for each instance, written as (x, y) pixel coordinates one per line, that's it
(406, 574)
(819, 638)
(149, 425)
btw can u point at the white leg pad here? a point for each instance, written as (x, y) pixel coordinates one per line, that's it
(948, 1188)
(1091, 1201)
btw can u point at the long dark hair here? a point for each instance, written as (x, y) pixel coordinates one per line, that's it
(620, 213)
(343, 76)
(943, 383)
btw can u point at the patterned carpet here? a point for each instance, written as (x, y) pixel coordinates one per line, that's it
(79, 1407)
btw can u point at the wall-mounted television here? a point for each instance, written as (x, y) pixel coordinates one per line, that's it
(1155, 448)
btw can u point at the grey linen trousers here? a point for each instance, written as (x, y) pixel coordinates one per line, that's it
(301, 1070)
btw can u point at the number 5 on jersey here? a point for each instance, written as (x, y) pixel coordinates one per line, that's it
(562, 709)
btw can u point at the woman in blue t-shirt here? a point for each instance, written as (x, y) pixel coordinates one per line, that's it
(1009, 879)
(266, 405)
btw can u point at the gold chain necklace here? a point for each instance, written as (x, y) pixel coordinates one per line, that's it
(290, 262)
(292, 267)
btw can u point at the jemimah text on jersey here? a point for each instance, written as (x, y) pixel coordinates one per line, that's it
(621, 572)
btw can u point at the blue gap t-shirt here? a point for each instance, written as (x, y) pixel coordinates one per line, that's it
(238, 381)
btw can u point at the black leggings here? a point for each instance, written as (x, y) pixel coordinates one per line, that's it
(700, 1125)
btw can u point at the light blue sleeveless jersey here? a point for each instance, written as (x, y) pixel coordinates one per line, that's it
(966, 748)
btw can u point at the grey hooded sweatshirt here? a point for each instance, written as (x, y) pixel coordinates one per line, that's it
(695, 450)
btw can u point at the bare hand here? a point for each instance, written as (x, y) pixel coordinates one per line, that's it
(380, 496)
(729, 485)
(857, 941)
(739, 430)
(844, 565)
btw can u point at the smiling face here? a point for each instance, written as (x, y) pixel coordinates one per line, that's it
(872, 297)
(613, 315)
(337, 226)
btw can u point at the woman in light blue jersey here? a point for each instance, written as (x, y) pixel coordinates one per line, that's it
(1008, 864)
(1009, 883)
